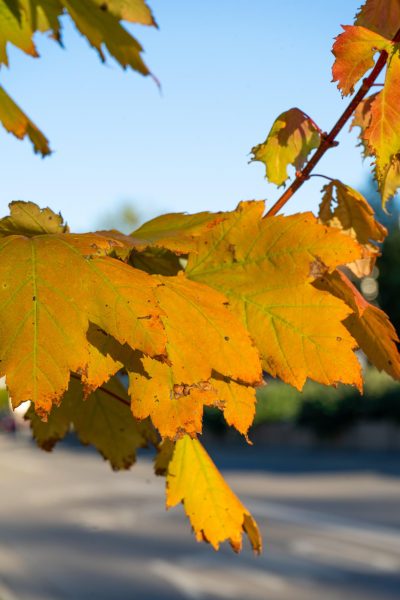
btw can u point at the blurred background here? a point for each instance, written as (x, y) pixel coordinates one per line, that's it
(323, 475)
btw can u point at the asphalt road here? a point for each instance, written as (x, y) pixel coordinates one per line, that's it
(73, 530)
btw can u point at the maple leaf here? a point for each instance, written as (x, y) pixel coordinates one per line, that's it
(135, 11)
(102, 27)
(106, 356)
(98, 21)
(42, 15)
(292, 137)
(14, 29)
(361, 119)
(177, 232)
(15, 121)
(352, 213)
(355, 217)
(45, 315)
(265, 268)
(174, 408)
(381, 16)
(215, 513)
(26, 218)
(103, 420)
(369, 325)
(197, 324)
(389, 179)
(382, 133)
(354, 52)
(237, 401)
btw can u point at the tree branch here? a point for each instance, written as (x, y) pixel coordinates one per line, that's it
(328, 140)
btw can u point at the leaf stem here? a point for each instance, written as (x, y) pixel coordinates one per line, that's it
(328, 139)
(323, 176)
(106, 391)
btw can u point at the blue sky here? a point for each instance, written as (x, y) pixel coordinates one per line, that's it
(227, 69)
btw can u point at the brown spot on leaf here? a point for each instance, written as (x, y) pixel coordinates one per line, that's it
(317, 268)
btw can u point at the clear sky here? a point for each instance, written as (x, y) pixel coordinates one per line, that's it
(227, 69)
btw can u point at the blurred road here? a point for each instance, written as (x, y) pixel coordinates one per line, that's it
(73, 530)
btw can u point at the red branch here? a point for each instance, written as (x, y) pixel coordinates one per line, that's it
(328, 139)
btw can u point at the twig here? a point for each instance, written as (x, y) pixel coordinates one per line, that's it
(328, 140)
(106, 391)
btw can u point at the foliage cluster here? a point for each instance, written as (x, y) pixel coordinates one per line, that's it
(193, 308)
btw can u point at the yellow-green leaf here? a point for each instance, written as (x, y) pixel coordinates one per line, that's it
(292, 137)
(98, 21)
(43, 15)
(14, 29)
(16, 122)
(103, 28)
(135, 11)
(26, 218)
(103, 420)
(215, 513)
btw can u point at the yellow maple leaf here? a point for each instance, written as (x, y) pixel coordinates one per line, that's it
(237, 401)
(215, 513)
(174, 408)
(51, 287)
(265, 268)
(203, 338)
